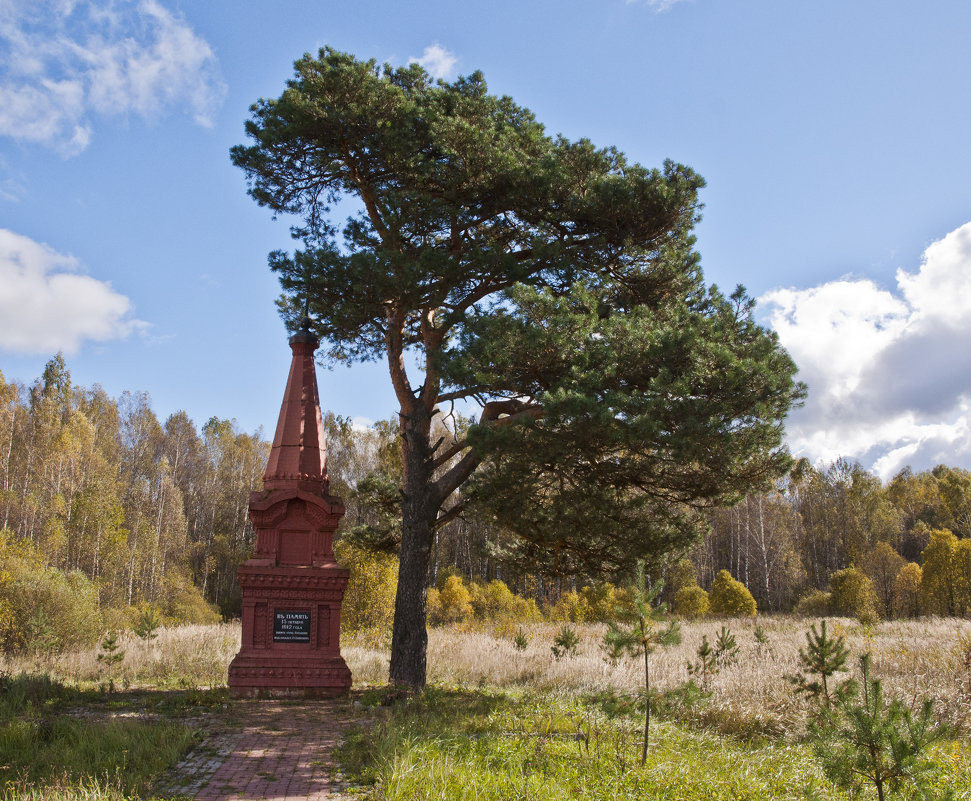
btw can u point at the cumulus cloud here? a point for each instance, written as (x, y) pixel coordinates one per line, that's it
(889, 372)
(47, 304)
(437, 61)
(62, 62)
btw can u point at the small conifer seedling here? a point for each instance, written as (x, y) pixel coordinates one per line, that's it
(110, 656)
(644, 631)
(822, 658)
(726, 648)
(711, 659)
(705, 666)
(865, 739)
(761, 640)
(148, 624)
(566, 643)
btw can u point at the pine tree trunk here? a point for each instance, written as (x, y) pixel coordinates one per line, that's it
(419, 509)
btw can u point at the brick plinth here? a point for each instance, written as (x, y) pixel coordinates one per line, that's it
(268, 666)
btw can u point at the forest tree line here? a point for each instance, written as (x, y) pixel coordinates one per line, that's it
(105, 509)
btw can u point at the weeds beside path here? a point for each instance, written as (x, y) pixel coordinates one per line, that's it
(495, 745)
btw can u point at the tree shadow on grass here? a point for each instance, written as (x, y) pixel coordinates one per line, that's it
(51, 732)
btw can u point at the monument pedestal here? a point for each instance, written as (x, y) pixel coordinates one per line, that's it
(292, 588)
(291, 631)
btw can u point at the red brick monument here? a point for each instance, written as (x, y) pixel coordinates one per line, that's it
(292, 587)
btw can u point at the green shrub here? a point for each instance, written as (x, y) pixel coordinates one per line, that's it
(852, 595)
(602, 602)
(181, 602)
(730, 598)
(50, 610)
(496, 603)
(691, 602)
(814, 603)
(906, 590)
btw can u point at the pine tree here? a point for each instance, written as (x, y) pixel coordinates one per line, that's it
(551, 281)
(867, 739)
(565, 643)
(643, 634)
(711, 660)
(110, 656)
(148, 624)
(823, 657)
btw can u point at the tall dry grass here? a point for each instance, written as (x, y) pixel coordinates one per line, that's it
(927, 657)
(182, 656)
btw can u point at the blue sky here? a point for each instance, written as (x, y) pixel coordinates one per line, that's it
(833, 136)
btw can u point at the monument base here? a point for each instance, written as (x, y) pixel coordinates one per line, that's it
(289, 678)
(291, 631)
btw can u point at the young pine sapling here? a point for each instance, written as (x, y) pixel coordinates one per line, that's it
(566, 643)
(762, 646)
(712, 659)
(646, 629)
(148, 624)
(864, 739)
(110, 656)
(823, 657)
(726, 648)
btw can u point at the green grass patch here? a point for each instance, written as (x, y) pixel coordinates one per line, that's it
(448, 744)
(61, 743)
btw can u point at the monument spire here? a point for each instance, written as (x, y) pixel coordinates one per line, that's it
(298, 459)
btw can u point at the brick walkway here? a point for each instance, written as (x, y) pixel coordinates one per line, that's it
(282, 753)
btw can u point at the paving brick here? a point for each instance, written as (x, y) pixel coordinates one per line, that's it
(283, 752)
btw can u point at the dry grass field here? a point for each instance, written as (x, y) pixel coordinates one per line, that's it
(489, 701)
(925, 657)
(184, 656)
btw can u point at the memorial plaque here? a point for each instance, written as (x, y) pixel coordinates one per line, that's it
(291, 625)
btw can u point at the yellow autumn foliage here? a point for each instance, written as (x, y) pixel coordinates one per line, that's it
(369, 599)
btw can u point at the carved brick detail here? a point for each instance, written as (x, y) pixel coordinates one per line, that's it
(321, 518)
(317, 581)
(269, 518)
(334, 596)
(259, 626)
(323, 626)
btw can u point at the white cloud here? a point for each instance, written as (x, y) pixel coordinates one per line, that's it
(889, 373)
(657, 5)
(437, 61)
(47, 305)
(361, 424)
(61, 62)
